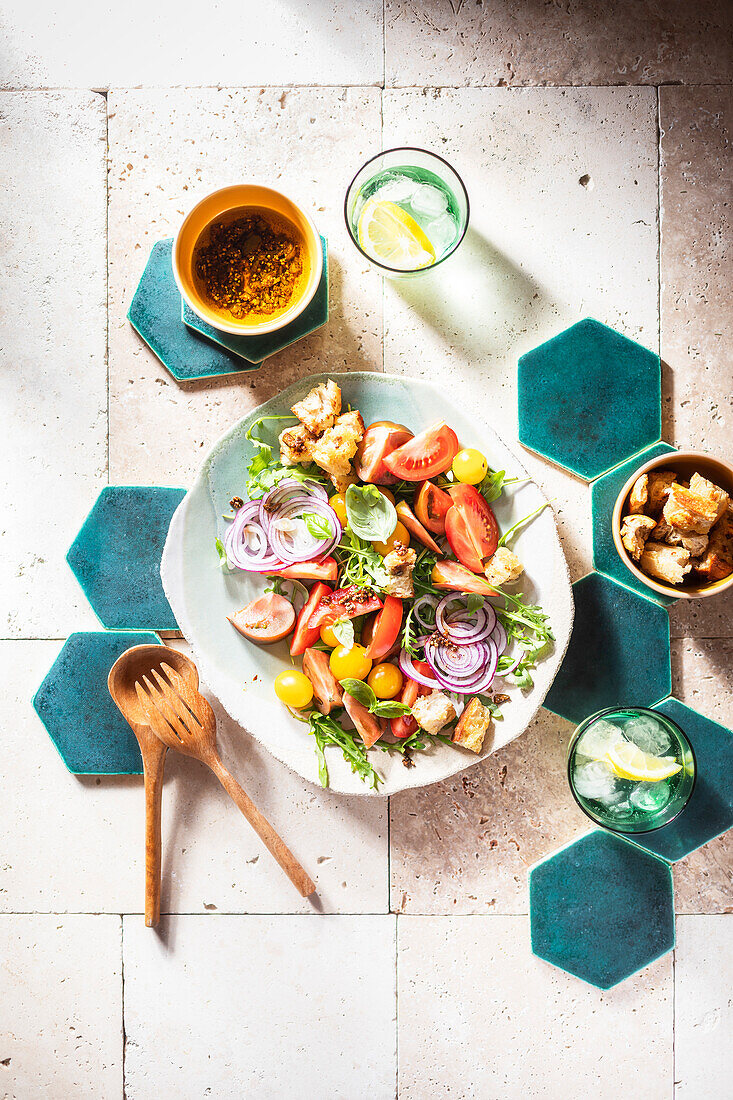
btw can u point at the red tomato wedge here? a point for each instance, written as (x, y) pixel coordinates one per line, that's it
(379, 440)
(345, 603)
(305, 634)
(471, 527)
(449, 576)
(405, 724)
(368, 726)
(426, 455)
(327, 691)
(326, 570)
(268, 619)
(431, 507)
(386, 628)
(413, 525)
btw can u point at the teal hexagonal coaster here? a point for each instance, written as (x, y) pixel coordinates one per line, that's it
(116, 556)
(76, 708)
(257, 348)
(618, 652)
(601, 909)
(604, 491)
(589, 398)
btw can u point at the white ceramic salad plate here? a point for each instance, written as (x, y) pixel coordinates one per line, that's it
(241, 674)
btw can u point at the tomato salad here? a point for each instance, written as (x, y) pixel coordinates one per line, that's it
(385, 569)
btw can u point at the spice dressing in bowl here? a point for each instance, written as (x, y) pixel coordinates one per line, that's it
(247, 260)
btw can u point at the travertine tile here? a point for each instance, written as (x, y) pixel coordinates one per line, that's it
(583, 42)
(541, 252)
(703, 1051)
(702, 677)
(61, 1007)
(53, 330)
(277, 1006)
(465, 845)
(239, 43)
(696, 308)
(480, 1016)
(76, 844)
(167, 150)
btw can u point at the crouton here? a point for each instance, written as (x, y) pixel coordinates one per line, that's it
(341, 482)
(399, 564)
(705, 488)
(295, 446)
(639, 495)
(693, 513)
(473, 725)
(334, 450)
(667, 563)
(717, 562)
(434, 711)
(503, 567)
(659, 484)
(635, 530)
(318, 409)
(696, 544)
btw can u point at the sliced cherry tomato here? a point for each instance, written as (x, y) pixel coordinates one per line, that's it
(426, 455)
(327, 691)
(345, 603)
(325, 570)
(405, 725)
(268, 619)
(368, 726)
(413, 525)
(449, 576)
(386, 628)
(379, 440)
(475, 538)
(431, 507)
(305, 634)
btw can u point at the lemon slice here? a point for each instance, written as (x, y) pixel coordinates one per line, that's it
(391, 236)
(627, 761)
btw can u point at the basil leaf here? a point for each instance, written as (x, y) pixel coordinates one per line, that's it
(389, 708)
(474, 602)
(371, 516)
(220, 551)
(343, 632)
(360, 691)
(493, 485)
(317, 526)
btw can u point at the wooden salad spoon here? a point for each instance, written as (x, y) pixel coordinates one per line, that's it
(184, 720)
(125, 672)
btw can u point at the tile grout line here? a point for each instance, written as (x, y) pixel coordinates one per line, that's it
(347, 84)
(674, 1013)
(122, 983)
(659, 223)
(396, 1007)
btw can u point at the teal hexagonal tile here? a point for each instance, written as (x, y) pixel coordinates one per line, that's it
(604, 491)
(710, 809)
(77, 709)
(116, 556)
(601, 909)
(589, 398)
(618, 652)
(257, 348)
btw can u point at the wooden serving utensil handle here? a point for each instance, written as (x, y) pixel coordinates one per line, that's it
(153, 764)
(274, 843)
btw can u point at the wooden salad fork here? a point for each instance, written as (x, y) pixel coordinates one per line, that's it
(184, 720)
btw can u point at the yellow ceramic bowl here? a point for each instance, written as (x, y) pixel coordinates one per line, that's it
(684, 463)
(216, 207)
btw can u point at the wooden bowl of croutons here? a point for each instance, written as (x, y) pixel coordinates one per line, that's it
(673, 525)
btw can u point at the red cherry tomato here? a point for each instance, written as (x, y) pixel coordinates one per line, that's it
(267, 619)
(405, 725)
(305, 634)
(431, 507)
(379, 440)
(449, 576)
(426, 455)
(471, 527)
(325, 570)
(385, 629)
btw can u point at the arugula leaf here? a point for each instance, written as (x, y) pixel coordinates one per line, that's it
(326, 731)
(474, 602)
(343, 631)
(521, 523)
(318, 526)
(422, 573)
(223, 560)
(360, 563)
(364, 694)
(371, 515)
(265, 469)
(492, 485)
(409, 636)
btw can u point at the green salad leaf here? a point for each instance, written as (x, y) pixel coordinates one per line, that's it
(318, 526)
(326, 731)
(360, 563)
(371, 515)
(343, 631)
(364, 694)
(265, 470)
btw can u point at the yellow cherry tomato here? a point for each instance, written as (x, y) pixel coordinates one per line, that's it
(328, 637)
(470, 466)
(338, 503)
(293, 688)
(386, 493)
(400, 534)
(351, 664)
(385, 680)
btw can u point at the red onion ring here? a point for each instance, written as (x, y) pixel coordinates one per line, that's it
(246, 527)
(302, 546)
(467, 669)
(428, 600)
(461, 624)
(407, 666)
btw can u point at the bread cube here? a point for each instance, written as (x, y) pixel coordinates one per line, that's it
(635, 530)
(503, 567)
(717, 561)
(472, 726)
(434, 711)
(318, 409)
(667, 563)
(295, 444)
(693, 511)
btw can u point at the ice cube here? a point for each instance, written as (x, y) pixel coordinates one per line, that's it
(398, 189)
(620, 808)
(442, 233)
(648, 734)
(599, 739)
(428, 200)
(650, 797)
(595, 780)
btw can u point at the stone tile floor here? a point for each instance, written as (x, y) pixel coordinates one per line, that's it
(418, 975)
